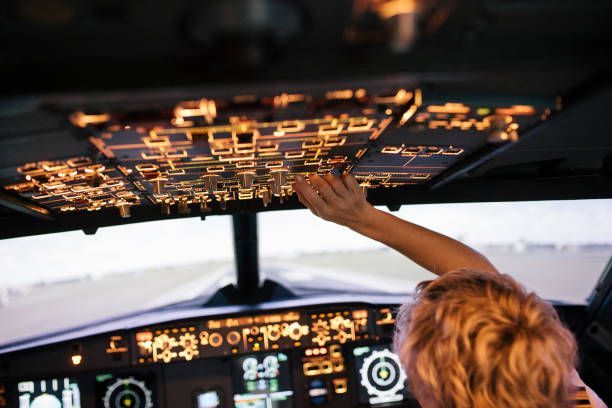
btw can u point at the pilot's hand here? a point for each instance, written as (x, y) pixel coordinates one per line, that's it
(337, 199)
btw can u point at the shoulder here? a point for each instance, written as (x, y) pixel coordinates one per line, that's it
(585, 396)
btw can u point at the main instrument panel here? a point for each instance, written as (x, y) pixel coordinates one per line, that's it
(332, 355)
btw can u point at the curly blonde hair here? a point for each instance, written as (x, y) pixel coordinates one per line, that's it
(478, 339)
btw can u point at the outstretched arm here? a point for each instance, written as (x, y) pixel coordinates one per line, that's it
(343, 201)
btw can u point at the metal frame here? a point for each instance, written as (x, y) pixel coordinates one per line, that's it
(246, 253)
(15, 202)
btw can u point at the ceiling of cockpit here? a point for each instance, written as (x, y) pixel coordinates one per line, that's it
(125, 112)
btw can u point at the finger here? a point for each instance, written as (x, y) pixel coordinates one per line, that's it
(351, 183)
(310, 195)
(324, 188)
(304, 201)
(336, 184)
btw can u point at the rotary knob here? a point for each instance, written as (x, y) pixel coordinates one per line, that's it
(246, 179)
(159, 185)
(279, 176)
(210, 182)
(124, 209)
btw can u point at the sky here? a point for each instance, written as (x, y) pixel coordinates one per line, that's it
(287, 233)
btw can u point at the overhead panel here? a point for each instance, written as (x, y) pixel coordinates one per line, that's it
(204, 153)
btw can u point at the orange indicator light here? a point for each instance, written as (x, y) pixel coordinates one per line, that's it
(76, 359)
(144, 336)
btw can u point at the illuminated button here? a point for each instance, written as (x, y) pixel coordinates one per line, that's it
(317, 391)
(233, 337)
(215, 339)
(144, 336)
(338, 365)
(340, 385)
(326, 367)
(311, 369)
(335, 350)
(116, 344)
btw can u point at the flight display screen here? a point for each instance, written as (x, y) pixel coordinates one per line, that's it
(50, 393)
(262, 381)
(382, 379)
(126, 391)
(208, 399)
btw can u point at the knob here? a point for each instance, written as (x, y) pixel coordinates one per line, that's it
(265, 197)
(204, 205)
(210, 182)
(182, 206)
(159, 185)
(279, 176)
(165, 207)
(124, 209)
(500, 130)
(223, 200)
(246, 179)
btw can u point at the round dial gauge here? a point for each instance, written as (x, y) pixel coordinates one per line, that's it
(128, 393)
(382, 374)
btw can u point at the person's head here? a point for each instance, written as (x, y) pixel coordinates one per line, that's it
(478, 339)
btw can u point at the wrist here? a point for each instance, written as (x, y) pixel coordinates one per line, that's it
(366, 220)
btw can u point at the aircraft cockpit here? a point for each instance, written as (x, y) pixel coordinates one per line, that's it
(154, 250)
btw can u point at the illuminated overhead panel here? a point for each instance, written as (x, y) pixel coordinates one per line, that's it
(250, 148)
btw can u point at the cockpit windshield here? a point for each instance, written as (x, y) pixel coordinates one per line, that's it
(54, 282)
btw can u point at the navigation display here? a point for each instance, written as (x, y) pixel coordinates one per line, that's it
(51, 393)
(125, 391)
(381, 376)
(262, 381)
